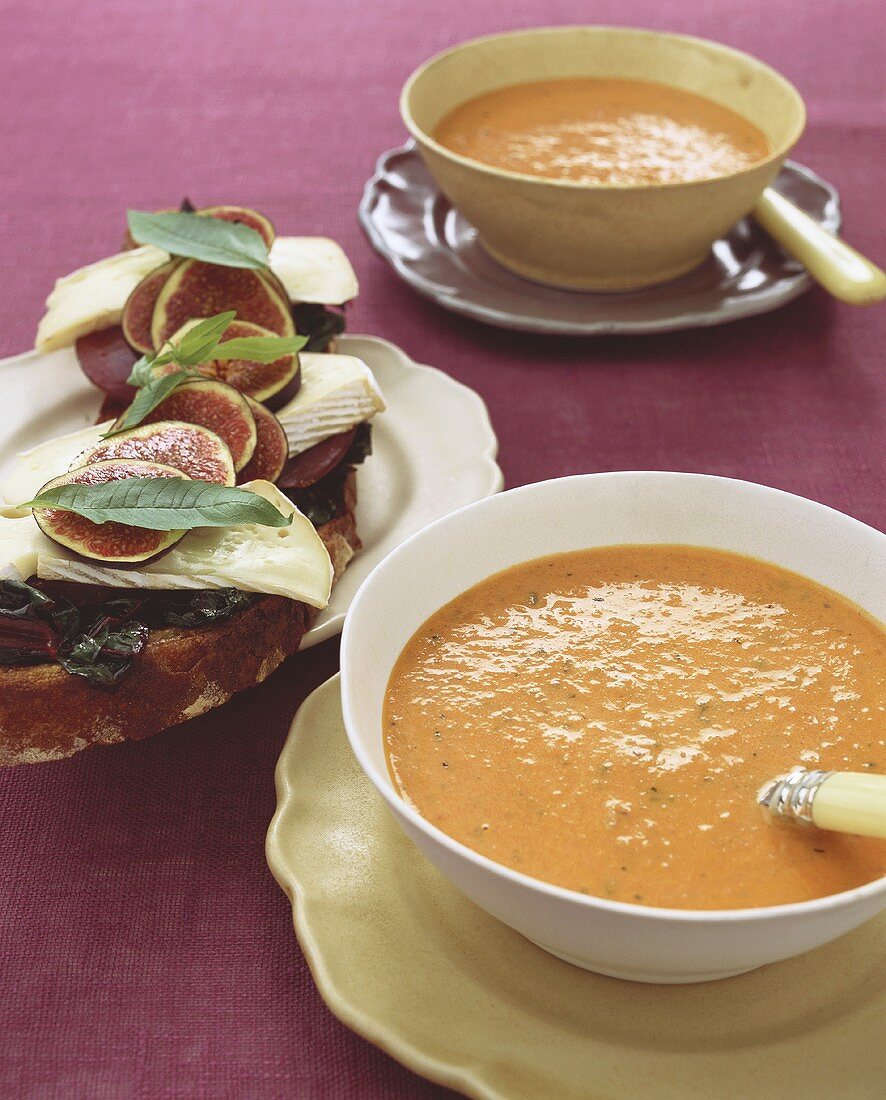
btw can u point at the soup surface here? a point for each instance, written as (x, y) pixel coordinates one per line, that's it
(602, 131)
(603, 720)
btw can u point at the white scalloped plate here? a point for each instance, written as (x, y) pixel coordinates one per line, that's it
(406, 961)
(434, 448)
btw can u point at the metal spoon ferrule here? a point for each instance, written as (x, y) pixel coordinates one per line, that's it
(790, 797)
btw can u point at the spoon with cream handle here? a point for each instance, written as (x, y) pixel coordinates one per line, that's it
(841, 270)
(846, 802)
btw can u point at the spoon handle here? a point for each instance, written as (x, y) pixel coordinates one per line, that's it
(841, 270)
(852, 802)
(846, 802)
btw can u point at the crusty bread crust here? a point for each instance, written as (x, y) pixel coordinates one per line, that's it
(48, 714)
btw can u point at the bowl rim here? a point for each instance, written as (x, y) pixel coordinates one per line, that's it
(425, 139)
(401, 806)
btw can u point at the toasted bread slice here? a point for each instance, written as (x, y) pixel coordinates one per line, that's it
(48, 714)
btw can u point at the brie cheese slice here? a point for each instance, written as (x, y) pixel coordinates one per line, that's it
(337, 392)
(277, 561)
(312, 269)
(21, 540)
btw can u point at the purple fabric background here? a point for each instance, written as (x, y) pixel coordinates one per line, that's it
(145, 950)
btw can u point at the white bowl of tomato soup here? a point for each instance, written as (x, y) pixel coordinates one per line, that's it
(600, 158)
(570, 693)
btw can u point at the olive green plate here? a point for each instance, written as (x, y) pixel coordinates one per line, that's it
(406, 961)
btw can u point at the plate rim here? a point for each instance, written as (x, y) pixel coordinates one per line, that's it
(750, 305)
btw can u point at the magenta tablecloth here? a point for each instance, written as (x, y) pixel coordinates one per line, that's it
(145, 950)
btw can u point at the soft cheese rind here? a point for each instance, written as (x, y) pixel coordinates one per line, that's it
(337, 392)
(311, 269)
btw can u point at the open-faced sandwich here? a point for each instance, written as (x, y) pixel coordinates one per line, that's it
(176, 552)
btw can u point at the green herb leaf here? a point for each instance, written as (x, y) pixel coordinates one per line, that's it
(212, 240)
(162, 504)
(149, 397)
(200, 344)
(259, 349)
(142, 370)
(200, 341)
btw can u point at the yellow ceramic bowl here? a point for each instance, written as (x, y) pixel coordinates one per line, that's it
(599, 236)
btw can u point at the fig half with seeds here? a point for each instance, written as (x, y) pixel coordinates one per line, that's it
(271, 447)
(191, 448)
(196, 289)
(261, 381)
(114, 543)
(138, 312)
(216, 406)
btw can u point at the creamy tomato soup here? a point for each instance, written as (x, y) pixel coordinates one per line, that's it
(603, 131)
(603, 720)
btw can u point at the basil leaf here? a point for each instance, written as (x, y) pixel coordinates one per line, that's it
(142, 370)
(199, 343)
(162, 504)
(259, 349)
(212, 240)
(148, 398)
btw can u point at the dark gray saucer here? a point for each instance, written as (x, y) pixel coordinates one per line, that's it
(436, 251)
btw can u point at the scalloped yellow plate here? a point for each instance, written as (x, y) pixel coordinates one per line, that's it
(406, 961)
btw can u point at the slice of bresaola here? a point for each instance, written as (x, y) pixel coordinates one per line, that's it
(307, 468)
(107, 361)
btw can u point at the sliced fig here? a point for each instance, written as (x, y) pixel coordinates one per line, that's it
(277, 283)
(139, 309)
(216, 406)
(307, 468)
(243, 216)
(191, 448)
(115, 543)
(196, 289)
(107, 359)
(261, 381)
(271, 447)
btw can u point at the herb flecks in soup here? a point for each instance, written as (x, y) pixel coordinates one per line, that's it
(602, 720)
(603, 131)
